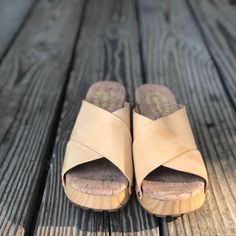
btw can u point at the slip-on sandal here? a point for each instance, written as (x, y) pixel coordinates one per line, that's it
(97, 171)
(170, 173)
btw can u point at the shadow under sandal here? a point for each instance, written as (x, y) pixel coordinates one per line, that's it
(97, 170)
(170, 173)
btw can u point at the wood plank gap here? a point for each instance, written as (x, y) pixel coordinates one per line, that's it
(163, 227)
(142, 67)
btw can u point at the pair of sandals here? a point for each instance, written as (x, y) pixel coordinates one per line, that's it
(97, 173)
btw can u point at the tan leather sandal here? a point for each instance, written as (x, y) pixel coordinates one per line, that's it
(97, 171)
(170, 173)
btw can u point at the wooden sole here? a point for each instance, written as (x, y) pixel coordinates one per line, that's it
(95, 202)
(167, 191)
(174, 208)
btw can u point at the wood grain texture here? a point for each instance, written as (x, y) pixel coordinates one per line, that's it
(32, 74)
(175, 55)
(107, 50)
(217, 22)
(12, 16)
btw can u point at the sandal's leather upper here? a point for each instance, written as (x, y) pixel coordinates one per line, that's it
(168, 142)
(99, 133)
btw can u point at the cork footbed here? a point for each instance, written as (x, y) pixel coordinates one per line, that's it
(167, 191)
(99, 184)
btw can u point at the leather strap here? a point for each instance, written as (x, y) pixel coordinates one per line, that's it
(99, 133)
(168, 142)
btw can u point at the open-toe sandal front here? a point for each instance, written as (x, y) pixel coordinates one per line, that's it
(97, 171)
(170, 173)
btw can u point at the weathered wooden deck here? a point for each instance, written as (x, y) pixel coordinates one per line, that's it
(51, 51)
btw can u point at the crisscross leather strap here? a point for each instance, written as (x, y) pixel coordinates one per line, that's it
(168, 142)
(99, 133)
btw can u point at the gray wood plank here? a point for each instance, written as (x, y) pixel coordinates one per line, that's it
(33, 75)
(12, 16)
(217, 22)
(107, 50)
(175, 55)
